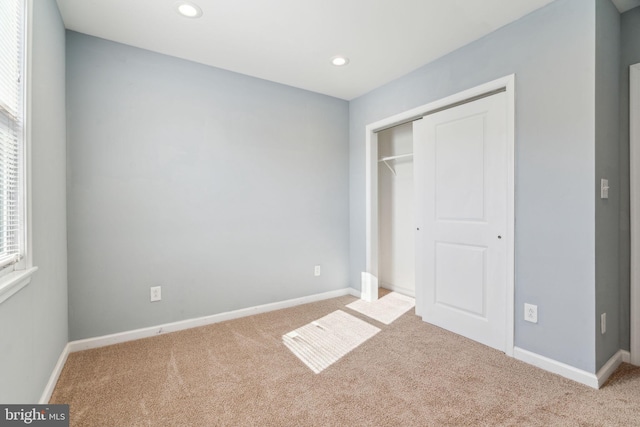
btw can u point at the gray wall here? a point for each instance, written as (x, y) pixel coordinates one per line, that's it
(607, 127)
(224, 189)
(552, 53)
(33, 323)
(630, 29)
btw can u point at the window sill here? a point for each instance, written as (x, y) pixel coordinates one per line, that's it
(14, 282)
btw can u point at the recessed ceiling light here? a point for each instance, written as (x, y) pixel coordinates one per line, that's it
(188, 9)
(339, 61)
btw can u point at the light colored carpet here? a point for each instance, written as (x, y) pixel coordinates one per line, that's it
(323, 342)
(239, 373)
(385, 309)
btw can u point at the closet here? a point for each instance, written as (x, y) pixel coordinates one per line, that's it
(440, 211)
(396, 212)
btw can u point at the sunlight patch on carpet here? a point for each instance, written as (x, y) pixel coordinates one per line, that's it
(323, 342)
(386, 309)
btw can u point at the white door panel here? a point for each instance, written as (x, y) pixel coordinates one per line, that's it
(460, 277)
(461, 199)
(459, 146)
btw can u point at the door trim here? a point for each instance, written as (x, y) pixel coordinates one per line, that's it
(634, 216)
(369, 284)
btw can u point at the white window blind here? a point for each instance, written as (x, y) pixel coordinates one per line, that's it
(11, 130)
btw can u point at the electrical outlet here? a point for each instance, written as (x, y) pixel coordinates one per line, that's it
(604, 188)
(603, 323)
(531, 313)
(156, 293)
(316, 270)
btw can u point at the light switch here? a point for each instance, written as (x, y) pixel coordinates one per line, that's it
(604, 188)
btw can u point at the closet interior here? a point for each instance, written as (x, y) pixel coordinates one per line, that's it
(396, 224)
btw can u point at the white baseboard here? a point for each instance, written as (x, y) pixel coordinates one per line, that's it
(121, 337)
(592, 380)
(399, 289)
(53, 379)
(136, 334)
(626, 356)
(355, 293)
(556, 367)
(612, 364)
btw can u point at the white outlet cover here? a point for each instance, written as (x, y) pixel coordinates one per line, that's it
(604, 188)
(155, 293)
(531, 313)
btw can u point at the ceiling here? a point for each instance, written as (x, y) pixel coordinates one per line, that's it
(624, 5)
(292, 41)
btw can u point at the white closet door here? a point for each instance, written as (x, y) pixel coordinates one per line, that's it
(460, 158)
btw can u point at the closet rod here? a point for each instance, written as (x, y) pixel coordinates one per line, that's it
(399, 156)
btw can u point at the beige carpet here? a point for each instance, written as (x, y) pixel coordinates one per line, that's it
(239, 373)
(323, 342)
(385, 309)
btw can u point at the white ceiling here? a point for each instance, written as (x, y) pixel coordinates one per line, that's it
(292, 41)
(624, 5)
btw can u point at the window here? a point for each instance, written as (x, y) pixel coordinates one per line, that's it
(14, 271)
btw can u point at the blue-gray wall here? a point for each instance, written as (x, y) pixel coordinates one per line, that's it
(607, 127)
(224, 189)
(33, 322)
(552, 53)
(630, 29)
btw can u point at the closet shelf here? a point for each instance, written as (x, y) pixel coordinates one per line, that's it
(385, 160)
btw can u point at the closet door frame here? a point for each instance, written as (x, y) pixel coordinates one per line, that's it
(634, 189)
(369, 280)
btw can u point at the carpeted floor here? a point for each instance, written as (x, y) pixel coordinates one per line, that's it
(239, 373)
